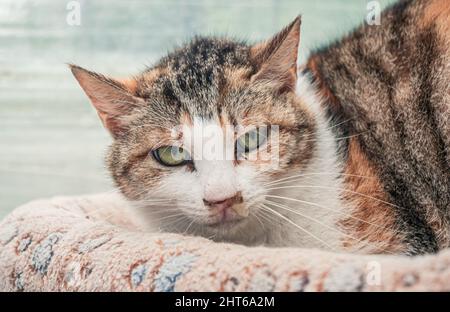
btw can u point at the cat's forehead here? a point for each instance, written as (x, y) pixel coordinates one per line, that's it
(210, 79)
(205, 54)
(195, 77)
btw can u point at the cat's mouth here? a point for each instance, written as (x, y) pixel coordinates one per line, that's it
(233, 217)
(225, 218)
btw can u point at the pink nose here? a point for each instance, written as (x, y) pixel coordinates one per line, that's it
(224, 204)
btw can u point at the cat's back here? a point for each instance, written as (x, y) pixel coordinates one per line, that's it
(391, 82)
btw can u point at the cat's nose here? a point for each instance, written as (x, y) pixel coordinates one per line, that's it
(224, 203)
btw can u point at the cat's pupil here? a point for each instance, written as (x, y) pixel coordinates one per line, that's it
(249, 141)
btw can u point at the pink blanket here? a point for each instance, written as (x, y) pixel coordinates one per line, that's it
(94, 243)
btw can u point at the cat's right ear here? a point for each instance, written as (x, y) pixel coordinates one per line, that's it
(114, 100)
(276, 58)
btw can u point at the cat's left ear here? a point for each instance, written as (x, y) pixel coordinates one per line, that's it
(114, 100)
(276, 58)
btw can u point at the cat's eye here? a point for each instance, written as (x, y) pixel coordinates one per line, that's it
(250, 141)
(171, 155)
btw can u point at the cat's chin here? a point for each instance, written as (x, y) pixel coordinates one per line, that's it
(229, 224)
(238, 231)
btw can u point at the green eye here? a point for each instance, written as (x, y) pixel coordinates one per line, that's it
(250, 141)
(171, 155)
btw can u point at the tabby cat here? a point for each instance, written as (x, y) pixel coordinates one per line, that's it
(359, 160)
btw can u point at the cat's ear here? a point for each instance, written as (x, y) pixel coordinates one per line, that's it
(276, 58)
(114, 100)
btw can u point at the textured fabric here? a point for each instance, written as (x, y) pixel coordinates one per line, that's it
(94, 243)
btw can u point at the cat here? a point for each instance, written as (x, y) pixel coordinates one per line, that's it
(363, 136)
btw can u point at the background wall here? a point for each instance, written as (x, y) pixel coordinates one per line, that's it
(51, 141)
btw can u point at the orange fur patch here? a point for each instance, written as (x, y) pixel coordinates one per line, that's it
(237, 77)
(437, 12)
(129, 83)
(149, 77)
(373, 220)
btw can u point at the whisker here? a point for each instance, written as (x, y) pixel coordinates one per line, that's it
(188, 227)
(338, 124)
(338, 138)
(174, 224)
(338, 189)
(260, 222)
(307, 217)
(299, 176)
(267, 216)
(297, 226)
(170, 216)
(327, 208)
(161, 204)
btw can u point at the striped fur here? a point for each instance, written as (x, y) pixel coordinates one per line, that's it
(393, 83)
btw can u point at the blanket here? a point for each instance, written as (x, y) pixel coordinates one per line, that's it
(97, 243)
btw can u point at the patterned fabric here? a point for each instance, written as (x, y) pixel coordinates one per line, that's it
(95, 243)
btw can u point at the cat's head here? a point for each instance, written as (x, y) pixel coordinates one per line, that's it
(209, 90)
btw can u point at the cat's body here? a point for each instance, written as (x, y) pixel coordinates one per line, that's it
(392, 82)
(363, 137)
